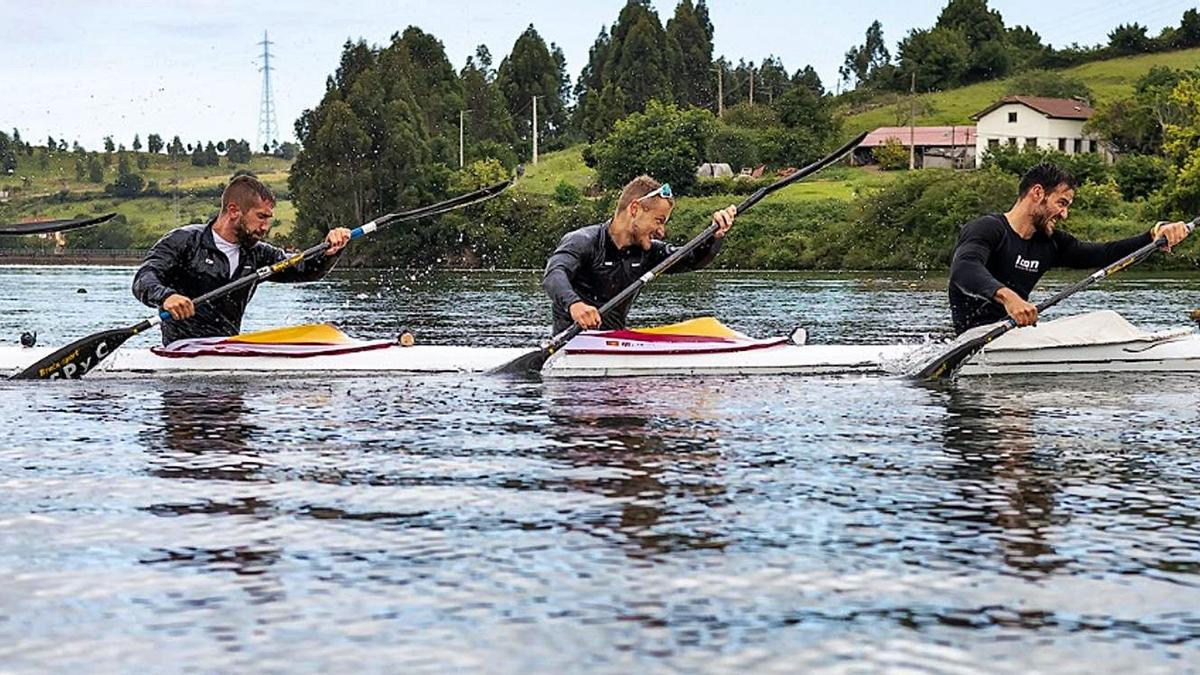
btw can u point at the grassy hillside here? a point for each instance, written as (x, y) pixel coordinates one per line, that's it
(35, 186)
(1107, 79)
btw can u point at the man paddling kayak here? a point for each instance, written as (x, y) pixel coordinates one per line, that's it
(1000, 257)
(194, 259)
(593, 264)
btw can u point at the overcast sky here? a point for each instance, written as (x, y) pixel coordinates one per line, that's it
(81, 70)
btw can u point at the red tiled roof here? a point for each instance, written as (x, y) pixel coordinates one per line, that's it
(921, 136)
(1059, 108)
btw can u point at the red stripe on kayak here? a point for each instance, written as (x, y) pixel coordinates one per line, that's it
(334, 350)
(775, 342)
(659, 337)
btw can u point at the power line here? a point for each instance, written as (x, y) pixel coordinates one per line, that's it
(268, 129)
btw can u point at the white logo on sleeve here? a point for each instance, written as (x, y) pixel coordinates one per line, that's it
(1027, 265)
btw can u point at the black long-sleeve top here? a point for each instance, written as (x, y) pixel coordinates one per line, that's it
(187, 261)
(991, 255)
(587, 266)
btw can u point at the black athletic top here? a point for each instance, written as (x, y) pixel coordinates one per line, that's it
(187, 261)
(587, 266)
(990, 255)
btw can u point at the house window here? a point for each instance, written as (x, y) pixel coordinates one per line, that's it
(1078, 145)
(1062, 145)
(993, 142)
(1092, 146)
(1031, 142)
(1012, 118)
(1012, 141)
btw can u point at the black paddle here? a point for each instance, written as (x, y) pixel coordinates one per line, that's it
(43, 226)
(948, 363)
(532, 362)
(78, 358)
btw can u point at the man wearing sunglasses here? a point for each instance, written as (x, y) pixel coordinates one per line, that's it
(593, 264)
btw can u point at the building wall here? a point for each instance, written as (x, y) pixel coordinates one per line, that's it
(1032, 124)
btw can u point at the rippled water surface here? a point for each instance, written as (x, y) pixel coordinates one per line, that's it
(409, 524)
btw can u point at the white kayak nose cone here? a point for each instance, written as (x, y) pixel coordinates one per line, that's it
(799, 336)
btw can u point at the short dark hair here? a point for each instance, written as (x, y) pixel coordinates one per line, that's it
(1049, 176)
(243, 190)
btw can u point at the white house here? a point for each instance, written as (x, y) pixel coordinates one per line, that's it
(1050, 123)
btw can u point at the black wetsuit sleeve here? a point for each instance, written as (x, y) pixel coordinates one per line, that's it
(149, 283)
(572, 253)
(309, 270)
(699, 258)
(968, 269)
(1086, 255)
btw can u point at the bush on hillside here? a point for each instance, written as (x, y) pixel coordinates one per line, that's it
(1140, 175)
(665, 142)
(1016, 160)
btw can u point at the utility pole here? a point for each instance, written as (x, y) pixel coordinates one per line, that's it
(460, 138)
(912, 123)
(535, 129)
(752, 84)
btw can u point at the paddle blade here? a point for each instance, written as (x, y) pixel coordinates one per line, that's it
(947, 363)
(526, 365)
(78, 358)
(44, 226)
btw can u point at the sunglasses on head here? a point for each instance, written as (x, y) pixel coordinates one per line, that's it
(663, 191)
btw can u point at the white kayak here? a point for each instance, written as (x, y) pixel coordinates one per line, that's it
(1089, 343)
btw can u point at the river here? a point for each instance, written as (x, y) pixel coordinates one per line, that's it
(435, 523)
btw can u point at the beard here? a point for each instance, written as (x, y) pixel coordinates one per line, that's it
(245, 236)
(1044, 223)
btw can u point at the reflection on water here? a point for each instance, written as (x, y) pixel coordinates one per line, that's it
(468, 523)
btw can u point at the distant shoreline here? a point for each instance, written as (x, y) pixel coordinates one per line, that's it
(89, 257)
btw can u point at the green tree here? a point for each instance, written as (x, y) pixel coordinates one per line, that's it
(198, 155)
(1140, 175)
(221, 145)
(892, 155)
(529, 71)
(939, 58)
(589, 88)
(862, 60)
(137, 143)
(808, 78)
(95, 169)
(1188, 33)
(211, 158)
(8, 153)
(1049, 83)
(237, 152)
(487, 117)
(154, 144)
(109, 145)
(1129, 39)
(128, 184)
(664, 141)
(427, 70)
(637, 62)
(689, 48)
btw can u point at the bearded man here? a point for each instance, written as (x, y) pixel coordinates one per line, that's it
(1000, 257)
(195, 259)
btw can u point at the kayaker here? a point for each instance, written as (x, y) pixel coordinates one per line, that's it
(593, 264)
(194, 259)
(1000, 257)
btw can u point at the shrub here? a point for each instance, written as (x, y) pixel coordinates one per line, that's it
(665, 141)
(1140, 175)
(892, 155)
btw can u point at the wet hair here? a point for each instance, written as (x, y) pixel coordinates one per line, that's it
(244, 190)
(1049, 176)
(636, 189)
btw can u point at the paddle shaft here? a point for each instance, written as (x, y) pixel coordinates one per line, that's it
(632, 289)
(265, 272)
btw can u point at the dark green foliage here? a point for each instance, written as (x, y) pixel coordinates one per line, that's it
(939, 58)
(1140, 175)
(154, 143)
(532, 70)
(128, 184)
(8, 154)
(863, 61)
(237, 152)
(665, 142)
(566, 194)
(689, 50)
(1047, 83)
(95, 169)
(1129, 39)
(735, 146)
(1016, 160)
